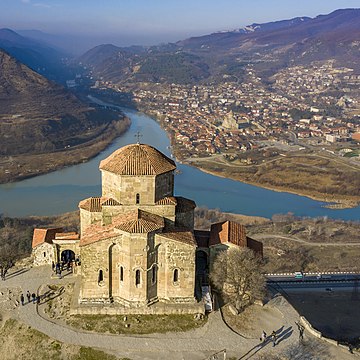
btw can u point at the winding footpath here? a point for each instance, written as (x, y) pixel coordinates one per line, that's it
(199, 344)
(296, 239)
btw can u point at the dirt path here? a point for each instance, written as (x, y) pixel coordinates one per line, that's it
(293, 238)
(194, 345)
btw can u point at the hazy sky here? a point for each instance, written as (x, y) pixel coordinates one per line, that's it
(146, 22)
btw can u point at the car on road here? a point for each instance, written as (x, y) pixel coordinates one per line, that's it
(323, 276)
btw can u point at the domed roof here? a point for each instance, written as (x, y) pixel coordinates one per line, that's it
(137, 159)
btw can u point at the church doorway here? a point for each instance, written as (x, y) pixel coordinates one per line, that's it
(67, 256)
(201, 272)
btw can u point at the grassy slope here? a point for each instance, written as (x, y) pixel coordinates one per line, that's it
(319, 177)
(19, 341)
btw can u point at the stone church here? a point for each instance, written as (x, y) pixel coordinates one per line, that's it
(137, 244)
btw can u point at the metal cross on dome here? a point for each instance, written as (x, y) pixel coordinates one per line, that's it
(138, 135)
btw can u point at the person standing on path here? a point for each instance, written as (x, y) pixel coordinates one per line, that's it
(22, 299)
(33, 296)
(263, 337)
(273, 337)
(28, 296)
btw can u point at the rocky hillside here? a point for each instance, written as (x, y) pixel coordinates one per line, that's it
(155, 64)
(37, 116)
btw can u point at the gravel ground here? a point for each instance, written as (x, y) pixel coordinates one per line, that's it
(200, 343)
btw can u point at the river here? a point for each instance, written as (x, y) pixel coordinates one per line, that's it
(61, 191)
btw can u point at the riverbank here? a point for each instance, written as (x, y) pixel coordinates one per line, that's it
(312, 174)
(20, 167)
(333, 202)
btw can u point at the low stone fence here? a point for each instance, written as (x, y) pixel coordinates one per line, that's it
(154, 309)
(319, 335)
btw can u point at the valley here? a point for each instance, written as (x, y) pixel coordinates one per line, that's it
(270, 100)
(44, 127)
(248, 105)
(111, 249)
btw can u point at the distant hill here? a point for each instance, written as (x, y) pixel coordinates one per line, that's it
(297, 41)
(269, 47)
(39, 116)
(283, 32)
(54, 41)
(36, 54)
(270, 26)
(157, 63)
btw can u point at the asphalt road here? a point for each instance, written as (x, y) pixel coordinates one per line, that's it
(331, 303)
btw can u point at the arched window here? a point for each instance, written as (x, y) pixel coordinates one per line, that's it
(100, 277)
(121, 273)
(137, 198)
(137, 278)
(176, 276)
(153, 275)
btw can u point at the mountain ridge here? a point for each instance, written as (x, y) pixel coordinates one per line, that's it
(299, 40)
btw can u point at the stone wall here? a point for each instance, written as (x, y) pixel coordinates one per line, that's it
(185, 219)
(164, 185)
(175, 256)
(43, 254)
(95, 271)
(166, 211)
(125, 188)
(87, 218)
(111, 185)
(126, 263)
(158, 308)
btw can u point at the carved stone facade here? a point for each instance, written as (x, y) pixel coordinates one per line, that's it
(137, 248)
(137, 244)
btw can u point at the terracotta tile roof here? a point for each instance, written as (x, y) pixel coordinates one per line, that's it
(96, 232)
(41, 236)
(110, 202)
(67, 236)
(90, 204)
(138, 221)
(169, 200)
(95, 204)
(184, 205)
(137, 159)
(184, 236)
(228, 231)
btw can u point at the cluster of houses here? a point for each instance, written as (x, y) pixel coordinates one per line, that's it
(233, 116)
